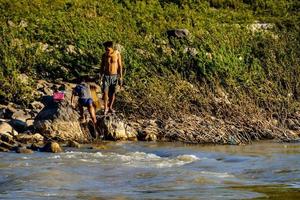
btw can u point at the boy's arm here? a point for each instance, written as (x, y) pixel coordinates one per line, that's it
(102, 65)
(120, 67)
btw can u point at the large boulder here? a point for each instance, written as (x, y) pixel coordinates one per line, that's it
(113, 128)
(59, 121)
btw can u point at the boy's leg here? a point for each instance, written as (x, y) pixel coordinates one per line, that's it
(81, 111)
(92, 113)
(105, 101)
(105, 87)
(112, 97)
(112, 92)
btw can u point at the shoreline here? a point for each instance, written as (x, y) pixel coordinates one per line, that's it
(42, 123)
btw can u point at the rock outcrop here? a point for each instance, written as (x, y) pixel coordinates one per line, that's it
(59, 121)
(113, 128)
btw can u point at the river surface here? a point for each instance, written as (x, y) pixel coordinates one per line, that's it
(141, 170)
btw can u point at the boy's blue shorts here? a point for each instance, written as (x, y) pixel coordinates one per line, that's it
(85, 102)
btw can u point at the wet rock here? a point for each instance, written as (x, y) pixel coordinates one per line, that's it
(23, 150)
(26, 138)
(52, 147)
(59, 121)
(73, 144)
(178, 33)
(113, 128)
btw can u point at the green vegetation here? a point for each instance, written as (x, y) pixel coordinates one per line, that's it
(255, 65)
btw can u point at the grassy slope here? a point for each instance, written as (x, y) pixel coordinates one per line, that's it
(258, 72)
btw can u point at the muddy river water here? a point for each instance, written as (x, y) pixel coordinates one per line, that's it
(140, 170)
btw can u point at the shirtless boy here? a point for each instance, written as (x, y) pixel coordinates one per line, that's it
(111, 73)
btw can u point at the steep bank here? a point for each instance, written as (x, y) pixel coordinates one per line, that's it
(235, 73)
(47, 120)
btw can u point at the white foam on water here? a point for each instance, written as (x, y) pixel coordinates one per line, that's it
(55, 157)
(89, 160)
(133, 159)
(142, 159)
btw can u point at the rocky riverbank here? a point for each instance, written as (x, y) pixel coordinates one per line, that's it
(46, 124)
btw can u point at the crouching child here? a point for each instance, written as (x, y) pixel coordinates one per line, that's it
(82, 91)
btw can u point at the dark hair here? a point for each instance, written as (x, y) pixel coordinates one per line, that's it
(108, 44)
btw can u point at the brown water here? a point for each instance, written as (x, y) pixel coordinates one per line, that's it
(154, 171)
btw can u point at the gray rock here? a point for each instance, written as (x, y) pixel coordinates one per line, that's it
(178, 33)
(113, 128)
(60, 122)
